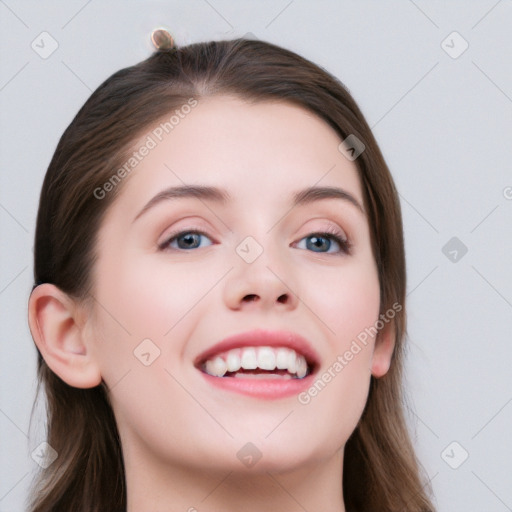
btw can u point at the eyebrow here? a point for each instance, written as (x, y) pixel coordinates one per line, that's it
(222, 196)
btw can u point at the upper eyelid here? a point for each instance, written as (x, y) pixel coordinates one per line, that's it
(330, 226)
(336, 219)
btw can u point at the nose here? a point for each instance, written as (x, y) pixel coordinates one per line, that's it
(264, 284)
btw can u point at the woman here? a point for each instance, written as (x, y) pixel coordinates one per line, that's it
(219, 294)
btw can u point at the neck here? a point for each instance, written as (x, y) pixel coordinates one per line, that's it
(158, 487)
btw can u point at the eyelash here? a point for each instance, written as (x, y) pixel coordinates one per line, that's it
(329, 233)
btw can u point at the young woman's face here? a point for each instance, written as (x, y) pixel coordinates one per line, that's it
(166, 296)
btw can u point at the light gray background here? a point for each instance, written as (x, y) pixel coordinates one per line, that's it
(444, 125)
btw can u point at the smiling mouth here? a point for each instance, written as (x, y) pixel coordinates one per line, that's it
(260, 362)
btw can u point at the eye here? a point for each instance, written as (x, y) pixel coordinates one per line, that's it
(188, 239)
(319, 241)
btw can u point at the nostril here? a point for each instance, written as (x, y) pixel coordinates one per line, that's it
(283, 298)
(250, 298)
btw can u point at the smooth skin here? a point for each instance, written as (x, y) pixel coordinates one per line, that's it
(180, 435)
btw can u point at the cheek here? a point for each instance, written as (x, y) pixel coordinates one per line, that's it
(347, 301)
(149, 296)
(348, 307)
(140, 299)
(148, 309)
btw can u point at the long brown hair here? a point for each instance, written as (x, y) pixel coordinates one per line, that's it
(381, 471)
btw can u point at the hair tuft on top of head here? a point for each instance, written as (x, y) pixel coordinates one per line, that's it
(162, 39)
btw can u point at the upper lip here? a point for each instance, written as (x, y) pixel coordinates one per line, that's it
(263, 338)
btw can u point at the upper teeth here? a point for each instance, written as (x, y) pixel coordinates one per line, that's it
(251, 358)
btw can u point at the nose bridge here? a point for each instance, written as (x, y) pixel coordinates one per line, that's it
(261, 272)
(258, 245)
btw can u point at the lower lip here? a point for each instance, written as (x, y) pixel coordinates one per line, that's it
(269, 389)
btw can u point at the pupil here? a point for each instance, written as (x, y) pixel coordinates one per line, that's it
(317, 242)
(189, 239)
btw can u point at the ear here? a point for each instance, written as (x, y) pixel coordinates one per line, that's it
(59, 333)
(383, 350)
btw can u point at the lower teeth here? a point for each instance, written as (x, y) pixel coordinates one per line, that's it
(238, 375)
(258, 374)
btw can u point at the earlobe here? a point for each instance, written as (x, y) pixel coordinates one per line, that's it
(383, 351)
(60, 337)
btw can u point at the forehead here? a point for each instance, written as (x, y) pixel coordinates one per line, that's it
(255, 150)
